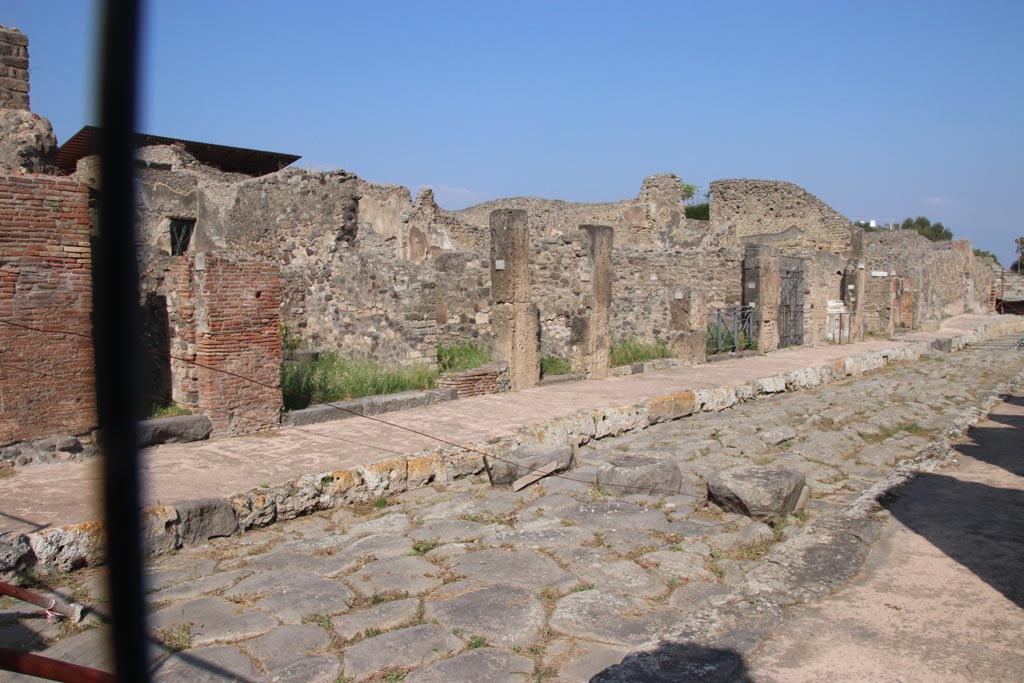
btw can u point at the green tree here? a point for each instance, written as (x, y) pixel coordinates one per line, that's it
(936, 232)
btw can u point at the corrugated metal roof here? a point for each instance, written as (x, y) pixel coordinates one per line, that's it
(252, 162)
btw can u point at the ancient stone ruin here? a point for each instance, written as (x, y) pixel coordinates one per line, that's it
(233, 244)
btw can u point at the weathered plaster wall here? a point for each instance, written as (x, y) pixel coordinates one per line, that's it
(777, 213)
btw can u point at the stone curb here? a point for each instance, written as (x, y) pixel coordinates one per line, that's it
(709, 644)
(367, 405)
(61, 549)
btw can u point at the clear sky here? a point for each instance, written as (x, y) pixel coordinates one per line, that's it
(883, 109)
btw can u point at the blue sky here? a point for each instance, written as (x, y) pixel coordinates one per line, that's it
(883, 109)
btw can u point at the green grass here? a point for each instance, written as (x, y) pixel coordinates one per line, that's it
(628, 351)
(420, 548)
(6, 472)
(700, 212)
(553, 365)
(462, 357)
(334, 378)
(476, 642)
(289, 341)
(166, 410)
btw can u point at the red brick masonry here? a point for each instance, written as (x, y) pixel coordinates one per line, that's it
(46, 380)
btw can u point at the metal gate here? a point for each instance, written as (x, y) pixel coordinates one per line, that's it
(731, 329)
(791, 308)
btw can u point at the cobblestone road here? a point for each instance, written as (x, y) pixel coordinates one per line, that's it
(555, 583)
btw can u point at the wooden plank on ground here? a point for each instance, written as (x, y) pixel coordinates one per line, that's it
(536, 475)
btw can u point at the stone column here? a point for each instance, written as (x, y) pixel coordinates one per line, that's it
(515, 317)
(688, 325)
(762, 289)
(591, 338)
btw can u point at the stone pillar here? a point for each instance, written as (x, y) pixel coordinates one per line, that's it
(854, 295)
(515, 317)
(14, 59)
(591, 338)
(688, 325)
(762, 289)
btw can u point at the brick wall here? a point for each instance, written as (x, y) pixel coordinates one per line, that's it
(489, 379)
(13, 69)
(237, 335)
(45, 282)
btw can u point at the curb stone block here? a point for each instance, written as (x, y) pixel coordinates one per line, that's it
(203, 519)
(65, 548)
(159, 529)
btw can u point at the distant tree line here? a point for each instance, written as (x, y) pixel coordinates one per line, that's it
(697, 203)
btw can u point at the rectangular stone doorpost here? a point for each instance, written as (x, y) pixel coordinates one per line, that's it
(762, 289)
(516, 318)
(688, 326)
(591, 339)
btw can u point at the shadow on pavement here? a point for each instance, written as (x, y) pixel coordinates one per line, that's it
(979, 525)
(677, 663)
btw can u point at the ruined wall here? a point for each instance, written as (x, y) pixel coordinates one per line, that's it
(27, 142)
(823, 282)
(777, 213)
(238, 335)
(14, 89)
(654, 218)
(949, 279)
(45, 282)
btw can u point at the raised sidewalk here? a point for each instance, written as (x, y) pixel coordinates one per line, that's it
(257, 479)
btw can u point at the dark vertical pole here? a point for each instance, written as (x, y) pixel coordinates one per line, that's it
(116, 285)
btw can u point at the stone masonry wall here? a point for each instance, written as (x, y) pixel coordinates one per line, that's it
(949, 279)
(14, 89)
(777, 213)
(45, 282)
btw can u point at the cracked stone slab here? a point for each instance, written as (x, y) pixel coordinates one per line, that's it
(369, 548)
(609, 618)
(579, 661)
(695, 594)
(292, 596)
(200, 586)
(212, 619)
(615, 515)
(544, 538)
(290, 655)
(621, 576)
(505, 615)
(208, 665)
(522, 568)
(383, 617)
(404, 575)
(483, 665)
(680, 566)
(449, 531)
(405, 648)
(393, 523)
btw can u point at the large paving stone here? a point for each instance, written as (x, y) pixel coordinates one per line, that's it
(505, 615)
(212, 619)
(523, 568)
(544, 538)
(621, 576)
(755, 491)
(293, 596)
(393, 523)
(290, 654)
(526, 459)
(680, 566)
(449, 531)
(376, 547)
(383, 617)
(200, 586)
(609, 618)
(208, 665)
(695, 594)
(615, 515)
(625, 474)
(181, 571)
(405, 648)
(579, 662)
(402, 575)
(483, 665)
